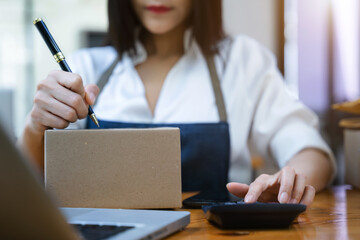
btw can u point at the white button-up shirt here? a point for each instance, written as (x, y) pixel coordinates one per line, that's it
(264, 118)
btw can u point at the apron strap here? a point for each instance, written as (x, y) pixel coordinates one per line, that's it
(215, 82)
(219, 98)
(105, 77)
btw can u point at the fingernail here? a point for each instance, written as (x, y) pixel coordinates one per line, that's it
(92, 97)
(284, 197)
(249, 198)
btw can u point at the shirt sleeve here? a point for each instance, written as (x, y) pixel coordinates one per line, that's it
(281, 126)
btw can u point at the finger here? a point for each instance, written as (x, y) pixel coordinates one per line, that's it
(46, 119)
(298, 189)
(286, 184)
(69, 80)
(71, 99)
(257, 188)
(59, 109)
(308, 196)
(92, 91)
(237, 189)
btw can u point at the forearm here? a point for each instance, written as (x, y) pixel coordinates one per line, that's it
(32, 143)
(315, 165)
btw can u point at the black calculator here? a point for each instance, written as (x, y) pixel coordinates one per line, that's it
(225, 211)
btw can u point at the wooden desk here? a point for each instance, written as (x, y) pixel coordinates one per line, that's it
(334, 214)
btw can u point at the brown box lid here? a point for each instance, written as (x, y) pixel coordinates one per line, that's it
(114, 168)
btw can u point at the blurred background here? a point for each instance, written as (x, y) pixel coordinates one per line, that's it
(316, 44)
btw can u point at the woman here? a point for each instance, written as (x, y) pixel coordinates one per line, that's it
(169, 63)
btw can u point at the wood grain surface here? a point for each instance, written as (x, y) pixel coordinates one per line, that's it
(334, 214)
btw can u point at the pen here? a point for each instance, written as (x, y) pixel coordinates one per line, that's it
(58, 55)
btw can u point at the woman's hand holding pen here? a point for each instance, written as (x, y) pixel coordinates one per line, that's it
(61, 99)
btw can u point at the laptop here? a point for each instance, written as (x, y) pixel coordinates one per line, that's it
(27, 212)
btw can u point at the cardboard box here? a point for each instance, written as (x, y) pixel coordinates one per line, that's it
(352, 151)
(114, 168)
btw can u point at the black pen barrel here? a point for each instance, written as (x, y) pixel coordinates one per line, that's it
(45, 33)
(64, 66)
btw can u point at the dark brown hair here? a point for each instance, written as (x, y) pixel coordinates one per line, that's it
(205, 20)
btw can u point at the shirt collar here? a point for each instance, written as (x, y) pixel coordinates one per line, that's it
(190, 47)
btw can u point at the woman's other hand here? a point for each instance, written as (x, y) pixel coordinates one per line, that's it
(60, 99)
(286, 186)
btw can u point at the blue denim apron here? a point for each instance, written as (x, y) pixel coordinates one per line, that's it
(205, 147)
